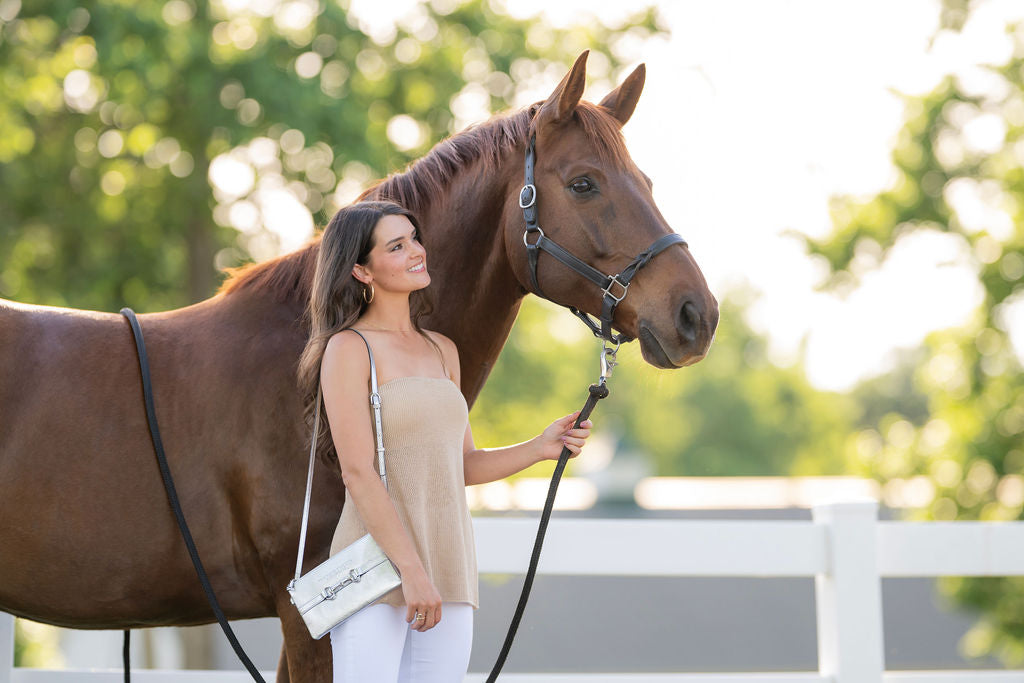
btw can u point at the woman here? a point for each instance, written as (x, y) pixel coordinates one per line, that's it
(370, 275)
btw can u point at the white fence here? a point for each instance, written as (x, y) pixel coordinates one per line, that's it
(845, 548)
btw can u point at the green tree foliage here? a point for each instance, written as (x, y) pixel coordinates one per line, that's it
(113, 111)
(969, 382)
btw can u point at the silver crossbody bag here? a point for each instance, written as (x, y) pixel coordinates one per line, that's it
(355, 576)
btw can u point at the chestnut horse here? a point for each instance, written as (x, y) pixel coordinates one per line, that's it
(87, 538)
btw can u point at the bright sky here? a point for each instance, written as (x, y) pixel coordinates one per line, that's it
(754, 114)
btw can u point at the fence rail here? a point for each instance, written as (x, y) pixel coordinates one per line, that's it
(844, 548)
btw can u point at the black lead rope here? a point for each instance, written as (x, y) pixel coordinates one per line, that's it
(611, 298)
(597, 392)
(614, 289)
(125, 656)
(172, 497)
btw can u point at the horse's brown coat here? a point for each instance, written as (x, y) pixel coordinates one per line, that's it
(87, 535)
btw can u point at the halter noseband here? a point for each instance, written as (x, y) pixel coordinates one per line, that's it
(607, 283)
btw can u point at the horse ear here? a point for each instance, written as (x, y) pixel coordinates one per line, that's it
(622, 101)
(563, 100)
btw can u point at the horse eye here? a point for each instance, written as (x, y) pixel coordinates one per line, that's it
(581, 185)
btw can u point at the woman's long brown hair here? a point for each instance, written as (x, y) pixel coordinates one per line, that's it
(336, 300)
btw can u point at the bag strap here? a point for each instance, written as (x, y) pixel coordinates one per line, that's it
(375, 402)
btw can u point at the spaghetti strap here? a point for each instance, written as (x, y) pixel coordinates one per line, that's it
(438, 349)
(444, 367)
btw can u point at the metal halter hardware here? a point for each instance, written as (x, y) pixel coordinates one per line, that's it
(598, 391)
(528, 203)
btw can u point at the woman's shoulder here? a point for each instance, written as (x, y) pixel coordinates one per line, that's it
(439, 338)
(345, 354)
(449, 351)
(344, 340)
(446, 344)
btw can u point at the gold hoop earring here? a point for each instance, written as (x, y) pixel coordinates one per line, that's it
(371, 294)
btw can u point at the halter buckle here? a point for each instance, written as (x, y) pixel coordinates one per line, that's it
(614, 281)
(523, 203)
(528, 231)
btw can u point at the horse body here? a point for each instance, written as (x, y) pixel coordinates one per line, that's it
(89, 540)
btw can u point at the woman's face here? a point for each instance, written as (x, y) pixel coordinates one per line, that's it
(397, 261)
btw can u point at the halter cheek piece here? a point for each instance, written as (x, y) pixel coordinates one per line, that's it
(614, 287)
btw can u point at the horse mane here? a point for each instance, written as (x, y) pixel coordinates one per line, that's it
(289, 277)
(485, 145)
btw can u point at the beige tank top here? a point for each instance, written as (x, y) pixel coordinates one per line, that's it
(424, 422)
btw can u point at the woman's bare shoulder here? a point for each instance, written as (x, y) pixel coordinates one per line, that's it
(345, 357)
(442, 341)
(343, 340)
(449, 353)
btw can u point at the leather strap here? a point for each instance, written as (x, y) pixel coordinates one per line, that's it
(126, 659)
(644, 257)
(581, 267)
(528, 195)
(375, 402)
(607, 283)
(613, 287)
(597, 392)
(179, 515)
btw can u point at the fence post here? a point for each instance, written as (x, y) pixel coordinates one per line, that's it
(849, 597)
(6, 646)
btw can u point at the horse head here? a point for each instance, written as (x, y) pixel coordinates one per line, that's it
(592, 200)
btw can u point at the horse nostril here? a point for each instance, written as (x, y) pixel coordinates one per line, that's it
(689, 321)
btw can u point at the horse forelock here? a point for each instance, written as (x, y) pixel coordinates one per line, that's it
(604, 131)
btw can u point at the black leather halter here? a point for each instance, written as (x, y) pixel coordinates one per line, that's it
(607, 283)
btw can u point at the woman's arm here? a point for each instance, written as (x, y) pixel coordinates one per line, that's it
(345, 374)
(482, 465)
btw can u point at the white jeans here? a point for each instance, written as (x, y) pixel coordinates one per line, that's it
(377, 645)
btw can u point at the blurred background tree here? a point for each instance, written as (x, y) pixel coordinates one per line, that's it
(733, 413)
(959, 418)
(145, 145)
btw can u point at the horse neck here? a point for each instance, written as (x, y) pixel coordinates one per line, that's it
(476, 292)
